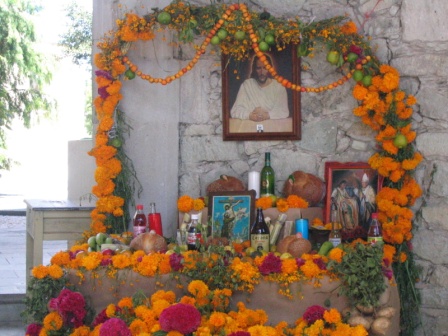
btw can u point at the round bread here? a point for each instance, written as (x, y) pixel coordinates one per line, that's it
(149, 242)
(226, 183)
(294, 246)
(307, 186)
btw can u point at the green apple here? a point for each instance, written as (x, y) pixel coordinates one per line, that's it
(222, 33)
(215, 40)
(92, 242)
(109, 240)
(333, 57)
(100, 238)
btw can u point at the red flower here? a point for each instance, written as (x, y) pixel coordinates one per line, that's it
(71, 307)
(176, 261)
(314, 313)
(240, 333)
(33, 329)
(180, 317)
(270, 264)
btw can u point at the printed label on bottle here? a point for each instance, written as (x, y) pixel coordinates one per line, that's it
(260, 242)
(139, 229)
(335, 241)
(192, 237)
(374, 240)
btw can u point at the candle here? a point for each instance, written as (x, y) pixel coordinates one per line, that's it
(254, 182)
(302, 227)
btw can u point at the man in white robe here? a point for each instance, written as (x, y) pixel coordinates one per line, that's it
(260, 97)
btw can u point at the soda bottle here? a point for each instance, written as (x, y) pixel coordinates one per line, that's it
(259, 233)
(139, 223)
(374, 235)
(193, 233)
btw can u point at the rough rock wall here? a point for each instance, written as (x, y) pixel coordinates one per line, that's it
(407, 34)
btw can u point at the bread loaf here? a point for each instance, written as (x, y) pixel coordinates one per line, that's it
(294, 245)
(149, 242)
(307, 186)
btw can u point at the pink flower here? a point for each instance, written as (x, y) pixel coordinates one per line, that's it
(180, 317)
(114, 327)
(33, 329)
(100, 318)
(300, 262)
(320, 263)
(313, 313)
(240, 333)
(71, 307)
(271, 264)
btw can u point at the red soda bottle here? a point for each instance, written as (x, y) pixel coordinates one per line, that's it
(139, 220)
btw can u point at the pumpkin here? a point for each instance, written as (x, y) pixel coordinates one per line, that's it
(307, 186)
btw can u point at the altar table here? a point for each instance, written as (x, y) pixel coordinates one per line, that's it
(52, 220)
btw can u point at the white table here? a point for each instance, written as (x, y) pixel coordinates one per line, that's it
(52, 220)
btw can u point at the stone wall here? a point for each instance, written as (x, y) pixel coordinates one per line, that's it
(408, 34)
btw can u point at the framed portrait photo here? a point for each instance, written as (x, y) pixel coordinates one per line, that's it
(351, 193)
(255, 105)
(231, 213)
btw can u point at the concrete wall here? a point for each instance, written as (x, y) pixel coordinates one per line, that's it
(177, 145)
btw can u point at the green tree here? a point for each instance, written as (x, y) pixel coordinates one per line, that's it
(23, 74)
(76, 43)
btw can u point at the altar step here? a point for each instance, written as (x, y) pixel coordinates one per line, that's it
(11, 305)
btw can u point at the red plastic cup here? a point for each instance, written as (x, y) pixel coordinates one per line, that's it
(155, 223)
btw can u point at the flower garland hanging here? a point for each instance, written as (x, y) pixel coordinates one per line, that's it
(234, 30)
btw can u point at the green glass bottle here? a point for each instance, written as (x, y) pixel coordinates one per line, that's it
(267, 178)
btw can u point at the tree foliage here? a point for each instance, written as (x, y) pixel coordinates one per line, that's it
(23, 74)
(77, 40)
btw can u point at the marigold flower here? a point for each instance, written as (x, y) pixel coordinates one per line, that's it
(185, 203)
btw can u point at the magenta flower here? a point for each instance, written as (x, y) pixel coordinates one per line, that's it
(114, 327)
(33, 329)
(300, 262)
(320, 263)
(176, 261)
(313, 313)
(355, 49)
(270, 264)
(240, 333)
(100, 318)
(71, 307)
(180, 317)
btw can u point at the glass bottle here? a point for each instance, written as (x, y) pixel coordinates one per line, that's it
(374, 235)
(267, 177)
(155, 220)
(139, 222)
(259, 233)
(193, 233)
(335, 235)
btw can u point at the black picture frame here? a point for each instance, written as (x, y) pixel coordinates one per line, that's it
(242, 209)
(287, 65)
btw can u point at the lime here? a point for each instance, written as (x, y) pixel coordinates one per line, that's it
(222, 34)
(352, 57)
(367, 80)
(164, 18)
(215, 40)
(239, 35)
(116, 142)
(109, 240)
(400, 140)
(333, 57)
(193, 23)
(358, 75)
(129, 74)
(270, 39)
(263, 46)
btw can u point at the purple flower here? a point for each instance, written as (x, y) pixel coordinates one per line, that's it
(180, 317)
(114, 327)
(33, 329)
(103, 92)
(176, 261)
(100, 318)
(320, 263)
(387, 272)
(102, 73)
(271, 264)
(300, 262)
(313, 313)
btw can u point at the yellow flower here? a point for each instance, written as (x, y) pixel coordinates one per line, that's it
(332, 316)
(198, 204)
(198, 288)
(53, 321)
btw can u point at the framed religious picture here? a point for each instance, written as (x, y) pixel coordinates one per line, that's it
(351, 193)
(255, 105)
(231, 213)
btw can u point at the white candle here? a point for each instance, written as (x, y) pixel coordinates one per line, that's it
(254, 182)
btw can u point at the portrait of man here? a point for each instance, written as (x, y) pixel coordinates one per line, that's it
(260, 97)
(255, 105)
